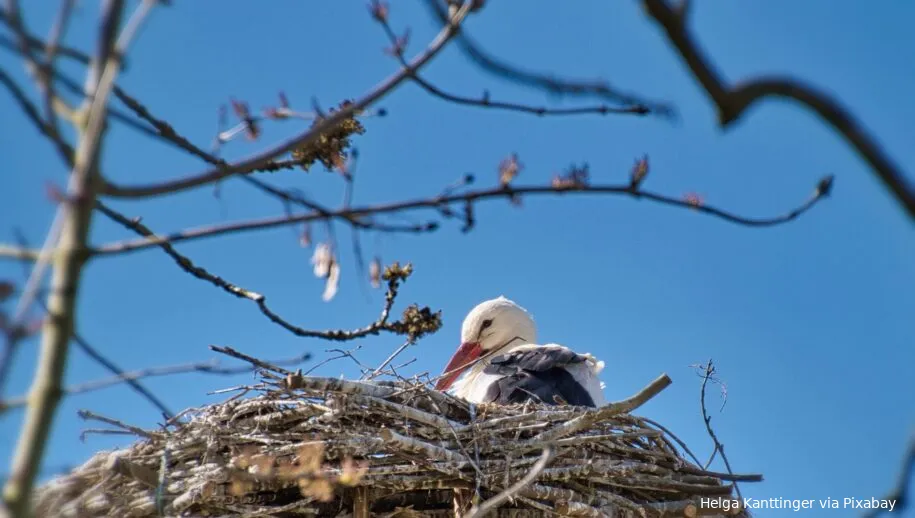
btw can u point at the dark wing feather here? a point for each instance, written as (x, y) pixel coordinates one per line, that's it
(536, 374)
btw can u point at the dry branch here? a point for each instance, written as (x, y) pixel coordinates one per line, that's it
(208, 367)
(394, 278)
(485, 101)
(601, 89)
(304, 139)
(439, 201)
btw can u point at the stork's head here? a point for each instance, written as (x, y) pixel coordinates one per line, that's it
(487, 328)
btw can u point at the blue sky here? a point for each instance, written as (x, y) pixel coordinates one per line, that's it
(810, 323)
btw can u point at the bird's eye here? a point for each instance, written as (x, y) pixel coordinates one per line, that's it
(486, 323)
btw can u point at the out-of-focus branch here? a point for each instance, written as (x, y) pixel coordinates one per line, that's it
(68, 83)
(251, 164)
(70, 258)
(733, 101)
(41, 68)
(63, 149)
(900, 493)
(600, 89)
(87, 348)
(131, 381)
(45, 71)
(208, 367)
(36, 44)
(19, 253)
(31, 291)
(439, 202)
(12, 16)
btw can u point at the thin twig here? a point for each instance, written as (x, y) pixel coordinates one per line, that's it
(598, 88)
(676, 439)
(100, 358)
(273, 367)
(208, 367)
(88, 415)
(129, 379)
(486, 102)
(378, 370)
(708, 374)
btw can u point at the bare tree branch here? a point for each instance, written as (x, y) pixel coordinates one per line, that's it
(732, 102)
(131, 381)
(486, 102)
(250, 164)
(167, 133)
(37, 44)
(596, 88)
(261, 364)
(187, 265)
(440, 201)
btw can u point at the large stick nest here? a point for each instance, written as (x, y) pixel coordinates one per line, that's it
(309, 446)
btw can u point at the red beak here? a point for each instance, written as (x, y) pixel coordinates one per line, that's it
(465, 355)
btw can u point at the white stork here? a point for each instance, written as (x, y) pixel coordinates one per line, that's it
(502, 363)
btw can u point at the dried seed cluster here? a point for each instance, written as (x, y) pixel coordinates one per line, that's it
(331, 146)
(417, 322)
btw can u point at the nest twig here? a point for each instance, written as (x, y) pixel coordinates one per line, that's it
(311, 446)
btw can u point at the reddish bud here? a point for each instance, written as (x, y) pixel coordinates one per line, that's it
(694, 199)
(379, 11)
(639, 172)
(509, 169)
